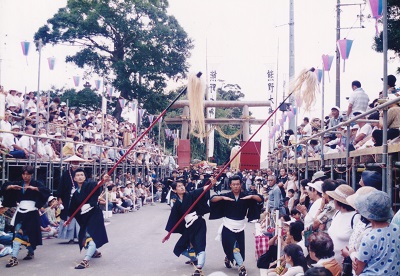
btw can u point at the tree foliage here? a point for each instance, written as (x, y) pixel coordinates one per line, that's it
(83, 99)
(393, 26)
(134, 44)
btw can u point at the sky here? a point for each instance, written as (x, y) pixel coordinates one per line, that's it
(241, 39)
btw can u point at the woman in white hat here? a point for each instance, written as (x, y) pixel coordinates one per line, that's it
(343, 220)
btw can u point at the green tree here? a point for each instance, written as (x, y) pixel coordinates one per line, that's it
(393, 30)
(84, 99)
(134, 44)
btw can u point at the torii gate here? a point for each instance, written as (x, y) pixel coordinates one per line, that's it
(245, 121)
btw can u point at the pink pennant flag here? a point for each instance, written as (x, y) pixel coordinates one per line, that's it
(25, 47)
(327, 61)
(377, 12)
(51, 61)
(76, 79)
(319, 73)
(151, 118)
(141, 112)
(122, 103)
(110, 91)
(97, 84)
(344, 46)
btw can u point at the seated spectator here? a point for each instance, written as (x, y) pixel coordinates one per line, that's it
(321, 250)
(296, 215)
(252, 190)
(365, 129)
(11, 144)
(393, 120)
(105, 199)
(126, 201)
(379, 251)
(362, 228)
(327, 209)
(315, 194)
(291, 199)
(6, 237)
(47, 230)
(51, 211)
(294, 261)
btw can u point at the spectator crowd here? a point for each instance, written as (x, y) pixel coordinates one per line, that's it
(364, 133)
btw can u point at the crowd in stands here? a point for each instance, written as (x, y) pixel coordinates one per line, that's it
(65, 131)
(362, 134)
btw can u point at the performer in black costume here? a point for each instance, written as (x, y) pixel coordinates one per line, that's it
(166, 186)
(64, 194)
(233, 208)
(192, 243)
(30, 195)
(92, 233)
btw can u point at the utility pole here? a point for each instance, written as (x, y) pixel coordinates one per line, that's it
(292, 124)
(338, 28)
(337, 54)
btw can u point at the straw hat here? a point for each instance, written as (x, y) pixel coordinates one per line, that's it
(360, 192)
(341, 193)
(375, 206)
(74, 158)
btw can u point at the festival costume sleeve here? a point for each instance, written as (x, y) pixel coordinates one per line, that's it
(43, 194)
(202, 206)
(174, 216)
(217, 208)
(255, 208)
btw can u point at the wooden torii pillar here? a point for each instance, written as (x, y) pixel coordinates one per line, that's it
(248, 155)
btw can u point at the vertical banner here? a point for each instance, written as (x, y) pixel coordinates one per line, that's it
(211, 96)
(270, 76)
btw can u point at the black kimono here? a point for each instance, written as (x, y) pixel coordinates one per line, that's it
(195, 235)
(30, 221)
(92, 222)
(235, 210)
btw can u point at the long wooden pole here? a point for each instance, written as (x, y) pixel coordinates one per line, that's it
(222, 170)
(127, 152)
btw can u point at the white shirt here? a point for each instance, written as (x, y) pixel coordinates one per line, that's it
(307, 129)
(340, 231)
(9, 140)
(359, 99)
(4, 125)
(41, 148)
(27, 142)
(312, 213)
(365, 129)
